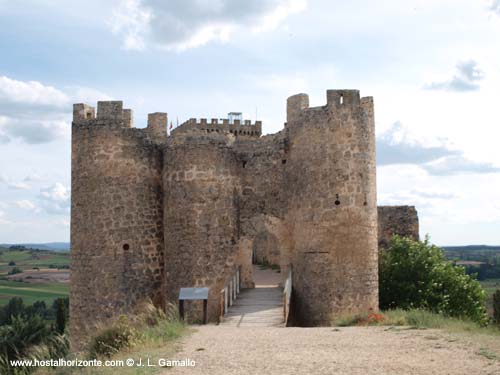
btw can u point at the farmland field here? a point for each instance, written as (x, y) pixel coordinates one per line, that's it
(44, 275)
(31, 293)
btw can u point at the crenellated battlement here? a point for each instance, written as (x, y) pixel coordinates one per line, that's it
(164, 213)
(110, 113)
(236, 127)
(336, 101)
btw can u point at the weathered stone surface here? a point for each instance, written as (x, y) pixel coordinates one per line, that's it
(400, 220)
(116, 220)
(152, 214)
(332, 209)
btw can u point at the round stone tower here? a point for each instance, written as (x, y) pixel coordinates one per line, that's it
(200, 216)
(116, 217)
(332, 210)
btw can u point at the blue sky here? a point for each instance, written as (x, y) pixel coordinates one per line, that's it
(433, 68)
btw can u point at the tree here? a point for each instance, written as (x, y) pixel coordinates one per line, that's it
(415, 274)
(12, 263)
(15, 307)
(496, 306)
(14, 271)
(61, 314)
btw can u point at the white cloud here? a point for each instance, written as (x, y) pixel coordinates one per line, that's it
(466, 78)
(36, 131)
(63, 222)
(2, 218)
(183, 24)
(495, 6)
(26, 205)
(37, 113)
(15, 185)
(55, 199)
(458, 164)
(19, 185)
(30, 93)
(397, 145)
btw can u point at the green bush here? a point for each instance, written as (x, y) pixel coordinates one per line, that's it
(15, 270)
(416, 275)
(16, 339)
(111, 340)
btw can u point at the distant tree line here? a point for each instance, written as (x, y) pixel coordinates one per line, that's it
(483, 271)
(57, 314)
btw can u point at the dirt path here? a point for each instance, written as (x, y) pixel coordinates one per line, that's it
(350, 351)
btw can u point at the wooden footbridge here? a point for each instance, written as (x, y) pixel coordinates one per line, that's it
(266, 305)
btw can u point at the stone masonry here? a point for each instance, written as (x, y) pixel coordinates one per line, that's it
(400, 220)
(152, 213)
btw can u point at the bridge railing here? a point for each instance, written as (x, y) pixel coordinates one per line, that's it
(287, 294)
(229, 293)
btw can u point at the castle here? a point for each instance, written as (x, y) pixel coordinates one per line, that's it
(152, 213)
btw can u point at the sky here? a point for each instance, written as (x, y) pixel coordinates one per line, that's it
(432, 66)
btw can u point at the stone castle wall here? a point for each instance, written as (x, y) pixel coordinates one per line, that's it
(116, 218)
(152, 214)
(332, 206)
(400, 220)
(200, 179)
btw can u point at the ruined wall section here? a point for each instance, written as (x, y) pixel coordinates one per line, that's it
(400, 220)
(201, 185)
(332, 212)
(116, 218)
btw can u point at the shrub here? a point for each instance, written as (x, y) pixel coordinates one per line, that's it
(496, 306)
(112, 339)
(17, 337)
(416, 275)
(148, 326)
(12, 263)
(15, 271)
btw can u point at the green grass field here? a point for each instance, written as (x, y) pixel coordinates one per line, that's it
(31, 293)
(27, 260)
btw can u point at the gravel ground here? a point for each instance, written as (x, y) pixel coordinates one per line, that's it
(350, 351)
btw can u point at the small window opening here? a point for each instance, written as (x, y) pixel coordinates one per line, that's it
(244, 164)
(283, 161)
(337, 201)
(126, 246)
(341, 98)
(88, 115)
